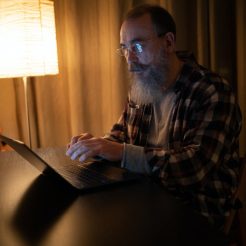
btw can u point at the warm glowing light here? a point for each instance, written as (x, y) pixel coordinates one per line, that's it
(27, 38)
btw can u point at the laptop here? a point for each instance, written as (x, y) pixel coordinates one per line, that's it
(90, 174)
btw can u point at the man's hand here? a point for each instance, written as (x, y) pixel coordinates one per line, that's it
(85, 146)
(78, 138)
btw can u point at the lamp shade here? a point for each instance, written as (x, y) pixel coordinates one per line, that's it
(27, 38)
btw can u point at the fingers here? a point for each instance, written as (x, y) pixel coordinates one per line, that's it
(86, 155)
(74, 151)
(73, 141)
(100, 147)
(78, 138)
(84, 136)
(83, 149)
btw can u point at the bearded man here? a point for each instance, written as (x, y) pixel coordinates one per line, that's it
(181, 122)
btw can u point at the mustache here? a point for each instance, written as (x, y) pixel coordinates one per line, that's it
(136, 67)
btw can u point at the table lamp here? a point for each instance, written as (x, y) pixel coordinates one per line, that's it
(27, 42)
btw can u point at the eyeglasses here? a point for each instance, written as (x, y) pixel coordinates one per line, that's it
(137, 48)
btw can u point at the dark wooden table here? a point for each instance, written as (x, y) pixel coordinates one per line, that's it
(36, 210)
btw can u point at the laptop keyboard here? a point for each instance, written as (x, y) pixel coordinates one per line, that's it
(79, 174)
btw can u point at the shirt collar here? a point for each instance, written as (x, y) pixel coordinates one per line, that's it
(190, 72)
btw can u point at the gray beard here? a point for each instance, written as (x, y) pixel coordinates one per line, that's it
(149, 89)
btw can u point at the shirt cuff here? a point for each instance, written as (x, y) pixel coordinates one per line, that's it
(134, 159)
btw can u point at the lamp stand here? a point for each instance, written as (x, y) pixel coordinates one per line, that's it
(25, 83)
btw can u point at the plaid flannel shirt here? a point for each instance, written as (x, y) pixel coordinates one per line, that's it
(201, 162)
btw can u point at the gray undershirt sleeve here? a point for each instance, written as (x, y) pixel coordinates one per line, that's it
(134, 159)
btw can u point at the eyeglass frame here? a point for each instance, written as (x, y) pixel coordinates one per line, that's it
(137, 45)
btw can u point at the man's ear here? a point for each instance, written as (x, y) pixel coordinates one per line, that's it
(169, 42)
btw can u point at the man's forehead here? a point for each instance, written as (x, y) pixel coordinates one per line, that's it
(140, 27)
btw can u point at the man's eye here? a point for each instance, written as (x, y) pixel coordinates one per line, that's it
(138, 48)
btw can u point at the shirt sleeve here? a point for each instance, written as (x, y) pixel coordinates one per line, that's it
(135, 159)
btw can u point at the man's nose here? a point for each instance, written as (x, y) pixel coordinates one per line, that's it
(130, 56)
